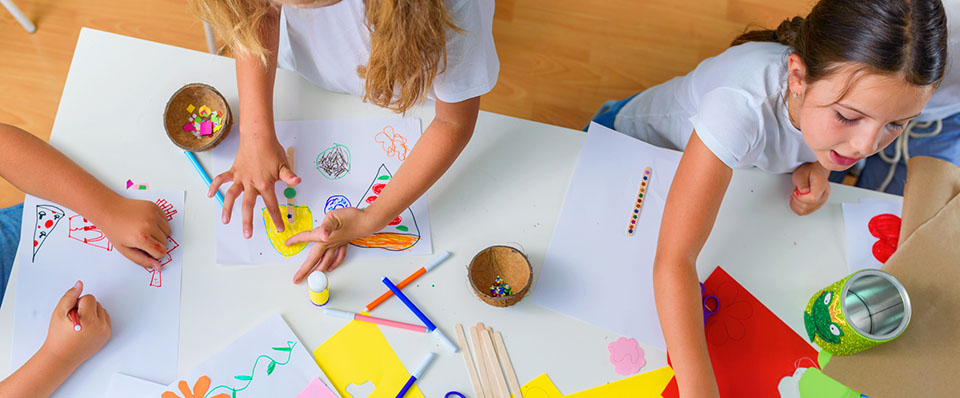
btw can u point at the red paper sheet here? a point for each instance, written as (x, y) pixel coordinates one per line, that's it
(750, 348)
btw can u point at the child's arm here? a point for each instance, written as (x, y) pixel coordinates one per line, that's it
(435, 151)
(691, 209)
(64, 350)
(136, 228)
(811, 188)
(260, 161)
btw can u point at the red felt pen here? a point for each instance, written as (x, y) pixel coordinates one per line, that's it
(75, 318)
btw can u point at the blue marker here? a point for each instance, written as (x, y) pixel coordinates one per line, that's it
(203, 173)
(416, 375)
(431, 328)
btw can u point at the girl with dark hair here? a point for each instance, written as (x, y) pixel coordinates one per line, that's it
(816, 94)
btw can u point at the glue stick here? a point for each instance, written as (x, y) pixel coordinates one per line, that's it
(319, 288)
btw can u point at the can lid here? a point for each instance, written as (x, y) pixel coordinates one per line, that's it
(317, 281)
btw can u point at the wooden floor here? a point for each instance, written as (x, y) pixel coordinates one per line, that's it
(559, 59)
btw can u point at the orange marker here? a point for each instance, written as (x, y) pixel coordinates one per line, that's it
(75, 318)
(423, 270)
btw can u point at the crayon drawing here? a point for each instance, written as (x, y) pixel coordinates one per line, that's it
(48, 216)
(166, 208)
(334, 162)
(336, 202)
(393, 143)
(81, 230)
(400, 234)
(303, 222)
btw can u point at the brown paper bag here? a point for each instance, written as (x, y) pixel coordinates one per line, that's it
(925, 360)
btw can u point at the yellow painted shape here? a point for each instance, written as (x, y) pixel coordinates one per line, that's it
(540, 387)
(304, 218)
(650, 384)
(358, 353)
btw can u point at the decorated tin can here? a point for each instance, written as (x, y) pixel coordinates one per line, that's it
(867, 308)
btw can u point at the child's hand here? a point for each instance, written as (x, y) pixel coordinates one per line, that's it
(69, 345)
(257, 167)
(139, 231)
(811, 188)
(330, 239)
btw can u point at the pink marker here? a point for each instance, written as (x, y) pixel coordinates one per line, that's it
(378, 321)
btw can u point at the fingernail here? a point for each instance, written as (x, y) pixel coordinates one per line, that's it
(805, 191)
(76, 285)
(246, 233)
(224, 219)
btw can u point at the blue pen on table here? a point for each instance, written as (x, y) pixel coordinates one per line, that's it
(416, 375)
(431, 328)
(203, 173)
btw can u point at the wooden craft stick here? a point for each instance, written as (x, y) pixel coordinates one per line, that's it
(507, 364)
(291, 208)
(494, 363)
(468, 360)
(485, 378)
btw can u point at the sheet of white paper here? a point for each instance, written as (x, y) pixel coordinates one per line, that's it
(268, 361)
(856, 218)
(144, 308)
(594, 270)
(127, 386)
(328, 182)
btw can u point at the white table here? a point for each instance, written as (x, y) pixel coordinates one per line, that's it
(506, 187)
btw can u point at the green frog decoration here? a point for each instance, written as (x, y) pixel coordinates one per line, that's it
(819, 321)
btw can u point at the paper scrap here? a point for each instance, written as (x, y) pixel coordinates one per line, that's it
(316, 389)
(626, 356)
(359, 353)
(206, 128)
(540, 387)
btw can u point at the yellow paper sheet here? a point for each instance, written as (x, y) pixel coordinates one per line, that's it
(540, 387)
(358, 353)
(644, 385)
(649, 384)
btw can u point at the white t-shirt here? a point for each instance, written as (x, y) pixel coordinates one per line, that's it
(946, 100)
(736, 103)
(327, 44)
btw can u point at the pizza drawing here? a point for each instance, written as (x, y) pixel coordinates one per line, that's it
(84, 231)
(48, 217)
(400, 234)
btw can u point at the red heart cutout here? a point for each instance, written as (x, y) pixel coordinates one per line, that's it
(886, 228)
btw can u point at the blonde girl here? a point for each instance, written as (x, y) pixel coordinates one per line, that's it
(393, 53)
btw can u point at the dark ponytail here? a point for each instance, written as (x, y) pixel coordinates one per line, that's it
(907, 37)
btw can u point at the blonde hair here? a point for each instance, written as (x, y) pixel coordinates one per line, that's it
(408, 45)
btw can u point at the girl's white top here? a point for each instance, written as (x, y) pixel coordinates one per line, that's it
(327, 44)
(736, 103)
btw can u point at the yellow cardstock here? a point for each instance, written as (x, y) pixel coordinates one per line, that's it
(649, 384)
(304, 222)
(359, 353)
(540, 387)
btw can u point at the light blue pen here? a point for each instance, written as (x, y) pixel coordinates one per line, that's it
(203, 173)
